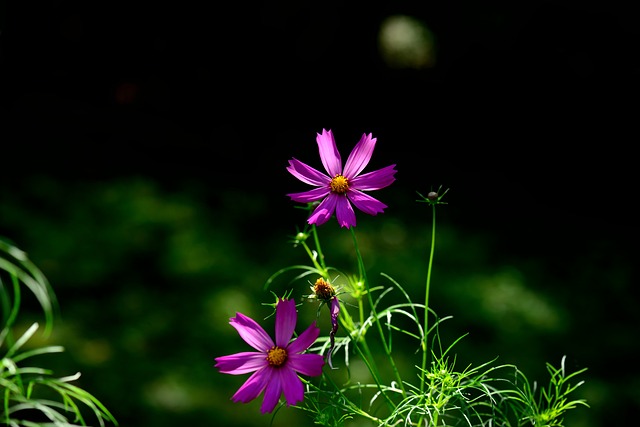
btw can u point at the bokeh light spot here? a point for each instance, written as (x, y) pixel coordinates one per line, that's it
(406, 43)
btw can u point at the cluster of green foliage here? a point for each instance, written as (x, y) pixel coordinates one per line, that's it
(31, 394)
(477, 395)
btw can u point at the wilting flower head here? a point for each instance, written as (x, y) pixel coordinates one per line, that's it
(341, 187)
(275, 366)
(323, 290)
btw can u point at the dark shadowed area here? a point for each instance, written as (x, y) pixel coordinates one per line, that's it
(142, 168)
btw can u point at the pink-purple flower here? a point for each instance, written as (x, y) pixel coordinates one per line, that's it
(342, 187)
(275, 365)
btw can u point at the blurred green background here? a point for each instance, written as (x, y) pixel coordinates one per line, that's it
(143, 161)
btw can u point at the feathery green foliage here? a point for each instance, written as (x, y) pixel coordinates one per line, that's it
(31, 394)
(426, 388)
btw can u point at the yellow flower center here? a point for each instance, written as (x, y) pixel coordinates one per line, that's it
(339, 184)
(323, 290)
(276, 356)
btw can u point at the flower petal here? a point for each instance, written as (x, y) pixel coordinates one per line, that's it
(241, 363)
(304, 340)
(291, 386)
(325, 209)
(252, 333)
(311, 195)
(307, 174)
(253, 386)
(286, 317)
(272, 391)
(344, 212)
(374, 180)
(360, 156)
(329, 153)
(335, 311)
(306, 364)
(366, 203)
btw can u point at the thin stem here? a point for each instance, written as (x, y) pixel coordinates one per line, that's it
(387, 350)
(360, 341)
(316, 240)
(370, 362)
(316, 264)
(425, 352)
(317, 259)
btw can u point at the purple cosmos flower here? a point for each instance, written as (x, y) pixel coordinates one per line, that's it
(275, 366)
(341, 187)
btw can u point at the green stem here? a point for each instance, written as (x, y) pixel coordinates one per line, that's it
(368, 359)
(316, 264)
(317, 260)
(316, 240)
(361, 346)
(360, 341)
(387, 350)
(425, 347)
(361, 310)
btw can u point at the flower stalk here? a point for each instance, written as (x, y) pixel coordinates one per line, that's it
(425, 334)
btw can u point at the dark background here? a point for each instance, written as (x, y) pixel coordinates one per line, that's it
(133, 131)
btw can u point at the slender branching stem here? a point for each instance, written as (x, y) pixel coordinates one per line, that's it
(314, 259)
(316, 240)
(385, 345)
(425, 341)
